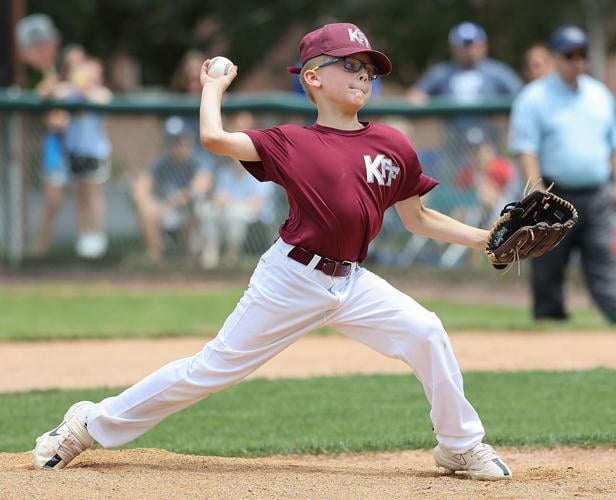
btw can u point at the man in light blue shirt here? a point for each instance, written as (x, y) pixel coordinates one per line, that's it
(563, 130)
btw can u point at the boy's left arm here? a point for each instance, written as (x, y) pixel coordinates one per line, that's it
(424, 221)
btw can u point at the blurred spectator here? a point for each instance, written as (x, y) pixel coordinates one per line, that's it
(164, 193)
(72, 55)
(54, 162)
(186, 77)
(124, 72)
(38, 42)
(186, 81)
(470, 76)
(538, 62)
(238, 202)
(88, 150)
(563, 129)
(490, 178)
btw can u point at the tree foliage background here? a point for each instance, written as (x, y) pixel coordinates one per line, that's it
(412, 32)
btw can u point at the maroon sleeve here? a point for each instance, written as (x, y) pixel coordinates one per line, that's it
(272, 144)
(414, 181)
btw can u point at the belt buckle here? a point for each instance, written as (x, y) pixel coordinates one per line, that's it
(347, 263)
(326, 262)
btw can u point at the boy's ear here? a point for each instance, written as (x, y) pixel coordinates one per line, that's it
(312, 78)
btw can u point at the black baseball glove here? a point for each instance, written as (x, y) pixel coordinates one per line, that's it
(529, 228)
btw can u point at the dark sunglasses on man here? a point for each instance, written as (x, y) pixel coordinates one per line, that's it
(575, 54)
(352, 65)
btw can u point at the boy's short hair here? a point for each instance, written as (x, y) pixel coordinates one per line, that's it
(308, 65)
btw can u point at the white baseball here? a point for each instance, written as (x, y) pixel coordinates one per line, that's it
(219, 66)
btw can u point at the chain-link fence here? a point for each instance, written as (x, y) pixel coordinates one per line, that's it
(158, 197)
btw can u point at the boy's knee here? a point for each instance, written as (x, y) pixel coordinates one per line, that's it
(430, 330)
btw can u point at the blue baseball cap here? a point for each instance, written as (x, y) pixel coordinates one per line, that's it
(568, 38)
(466, 33)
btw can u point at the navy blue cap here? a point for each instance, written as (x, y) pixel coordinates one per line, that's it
(568, 38)
(465, 33)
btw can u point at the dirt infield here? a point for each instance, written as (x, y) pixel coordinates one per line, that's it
(78, 364)
(554, 473)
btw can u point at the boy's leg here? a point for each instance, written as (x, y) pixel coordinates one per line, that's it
(281, 304)
(380, 316)
(389, 321)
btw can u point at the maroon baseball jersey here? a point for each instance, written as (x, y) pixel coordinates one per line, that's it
(339, 182)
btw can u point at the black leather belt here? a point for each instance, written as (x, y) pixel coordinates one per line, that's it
(337, 268)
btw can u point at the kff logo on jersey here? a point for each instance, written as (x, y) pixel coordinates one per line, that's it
(380, 170)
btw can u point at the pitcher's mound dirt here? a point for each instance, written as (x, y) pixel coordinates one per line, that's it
(131, 474)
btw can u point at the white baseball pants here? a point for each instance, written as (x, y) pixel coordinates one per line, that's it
(284, 301)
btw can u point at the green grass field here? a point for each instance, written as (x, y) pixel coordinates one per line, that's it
(360, 413)
(72, 312)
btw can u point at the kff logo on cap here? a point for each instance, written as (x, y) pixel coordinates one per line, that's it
(357, 35)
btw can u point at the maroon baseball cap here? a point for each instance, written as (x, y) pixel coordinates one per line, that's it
(339, 40)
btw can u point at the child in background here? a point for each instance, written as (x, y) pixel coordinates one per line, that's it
(88, 150)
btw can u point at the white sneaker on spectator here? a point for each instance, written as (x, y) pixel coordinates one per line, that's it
(481, 462)
(56, 448)
(92, 245)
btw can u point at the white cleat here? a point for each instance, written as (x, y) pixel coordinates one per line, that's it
(56, 448)
(481, 462)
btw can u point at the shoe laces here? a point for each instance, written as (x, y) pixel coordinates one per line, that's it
(71, 446)
(72, 443)
(483, 452)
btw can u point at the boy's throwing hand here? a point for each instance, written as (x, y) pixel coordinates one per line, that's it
(223, 81)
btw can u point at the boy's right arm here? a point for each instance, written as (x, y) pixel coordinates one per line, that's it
(233, 144)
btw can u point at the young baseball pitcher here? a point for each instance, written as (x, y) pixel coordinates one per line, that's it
(340, 176)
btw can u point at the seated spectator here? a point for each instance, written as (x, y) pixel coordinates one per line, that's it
(164, 192)
(238, 201)
(489, 179)
(470, 76)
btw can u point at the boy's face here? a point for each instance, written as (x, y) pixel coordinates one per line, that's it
(349, 90)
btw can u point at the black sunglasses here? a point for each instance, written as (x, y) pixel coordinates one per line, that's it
(353, 66)
(575, 54)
